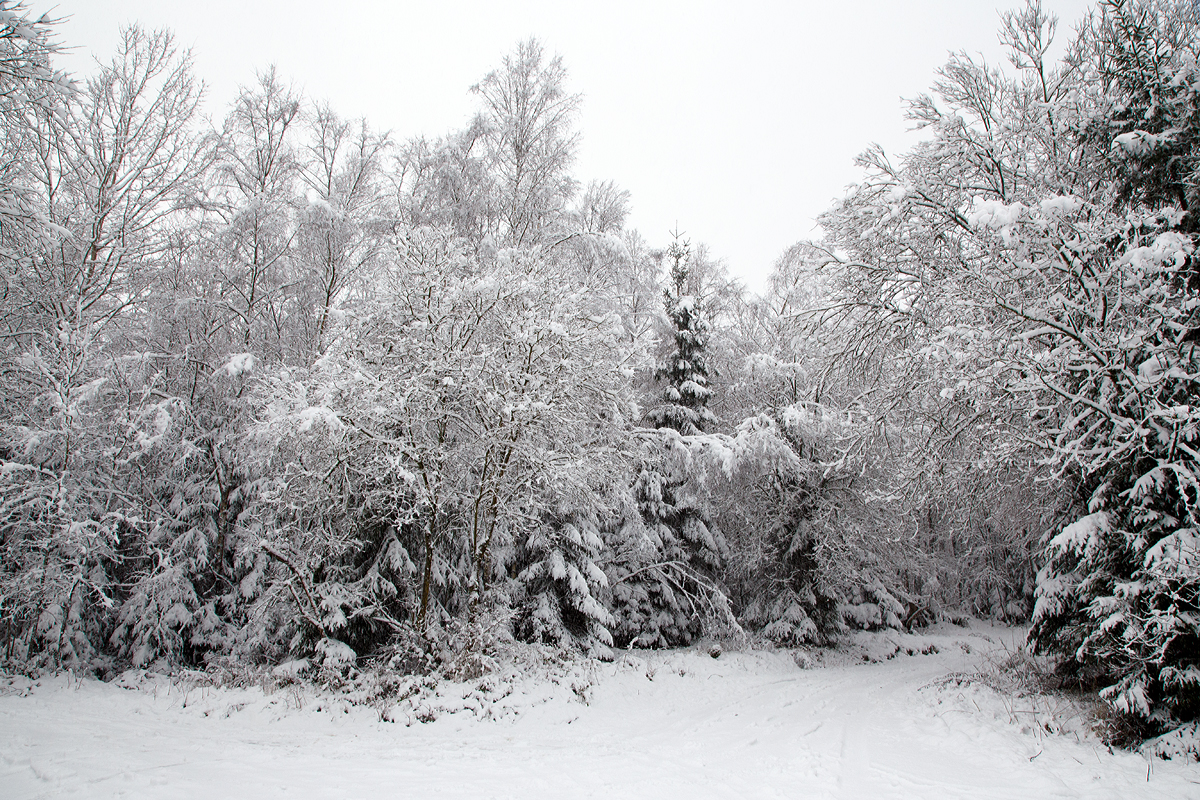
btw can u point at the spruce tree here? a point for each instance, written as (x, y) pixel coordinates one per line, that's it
(1119, 595)
(685, 367)
(663, 594)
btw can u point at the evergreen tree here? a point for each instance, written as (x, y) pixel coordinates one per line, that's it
(1117, 599)
(665, 587)
(556, 587)
(685, 368)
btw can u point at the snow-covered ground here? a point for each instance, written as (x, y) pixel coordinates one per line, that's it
(858, 724)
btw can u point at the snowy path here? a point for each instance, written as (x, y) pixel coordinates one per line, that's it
(742, 726)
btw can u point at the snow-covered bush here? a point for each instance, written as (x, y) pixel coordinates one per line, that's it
(557, 589)
(811, 556)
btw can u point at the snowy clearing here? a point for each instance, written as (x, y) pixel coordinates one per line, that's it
(868, 721)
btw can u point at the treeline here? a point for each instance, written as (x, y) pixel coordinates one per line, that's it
(288, 388)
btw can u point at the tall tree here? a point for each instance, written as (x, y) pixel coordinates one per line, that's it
(665, 567)
(684, 369)
(531, 143)
(112, 164)
(258, 173)
(339, 238)
(1021, 287)
(1119, 597)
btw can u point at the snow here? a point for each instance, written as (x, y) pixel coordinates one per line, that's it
(292, 669)
(1083, 535)
(1169, 249)
(866, 721)
(1141, 143)
(1176, 554)
(335, 654)
(311, 415)
(319, 203)
(238, 364)
(1150, 370)
(1180, 743)
(994, 213)
(1060, 205)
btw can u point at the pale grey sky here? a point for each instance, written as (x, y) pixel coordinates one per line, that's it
(739, 122)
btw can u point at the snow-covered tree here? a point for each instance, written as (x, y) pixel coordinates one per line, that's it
(446, 183)
(1118, 597)
(912, 338)
(29, 88)
(1021, 287)
(477, 413)
(339, 233)
(665, 565)
(665, 554)
(106, 168)
(684, 368)
(528, 117)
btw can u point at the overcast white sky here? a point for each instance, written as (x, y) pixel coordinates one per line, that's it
(738, 121)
